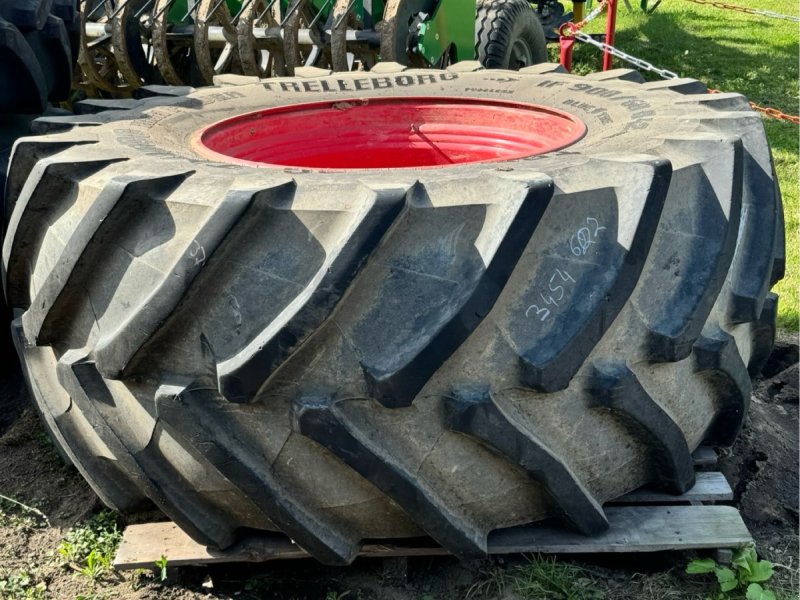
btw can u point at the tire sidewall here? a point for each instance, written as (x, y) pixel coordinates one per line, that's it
(619, 116)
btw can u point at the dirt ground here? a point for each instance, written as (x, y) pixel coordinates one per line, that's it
(762, 467)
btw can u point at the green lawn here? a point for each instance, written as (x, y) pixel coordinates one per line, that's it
(733, 52)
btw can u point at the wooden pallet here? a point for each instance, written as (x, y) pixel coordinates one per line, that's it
(643, 521)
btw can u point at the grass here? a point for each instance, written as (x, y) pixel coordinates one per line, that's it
(21, 585)
(89, 548)
(784, 141)
(540, 578)
(734, 52)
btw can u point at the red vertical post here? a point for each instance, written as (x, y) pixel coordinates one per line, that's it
(611, 25)
(565, 51)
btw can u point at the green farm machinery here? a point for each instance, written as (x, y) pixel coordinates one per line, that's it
(130, 43)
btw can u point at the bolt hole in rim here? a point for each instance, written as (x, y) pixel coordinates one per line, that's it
(389, 133)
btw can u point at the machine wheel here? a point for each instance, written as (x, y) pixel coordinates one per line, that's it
(258, 60)
(395, 30)
(132, 42)
(343, 307)
(214, 60)
(174, 56)
(508, 35)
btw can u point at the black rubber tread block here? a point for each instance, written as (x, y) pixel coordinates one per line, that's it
(304, 72)
(543, 68)
(50, 178)
(613, 386)
(131, 433)
(749, 276)
(717, 358)
(64, 420)
(682, 85)
(26, 14)
(137, 484)
(283, 268)
(319, 419)
(97, 111)
(61, 124)
(27, 152)
(56, 397)
(437, 255)
(56, 111)
(581, 266)
(466, 66)
(114, 350)
(695, 243)
(725, 101)
(388, 67)
(474, 413)
(22, 81)
(779, 252)
(243, 461)
(5, 154)
(66, 10)
(762, 335)
(93, 106)
(117, 194)
(616, 74)
(233, 79)
(112, 262)
(359, 232)
(154, 90)
(12, 127)
(52, 48)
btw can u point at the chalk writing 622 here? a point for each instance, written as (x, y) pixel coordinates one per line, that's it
(552, 296)
(585, 237)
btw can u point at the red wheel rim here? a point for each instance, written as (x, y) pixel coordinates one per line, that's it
(389, 133)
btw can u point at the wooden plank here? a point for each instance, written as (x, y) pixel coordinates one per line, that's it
(708, 487)
(143, 544)
(704, 456)
(633, 529)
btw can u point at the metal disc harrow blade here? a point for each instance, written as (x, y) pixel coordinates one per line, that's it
(126, 44)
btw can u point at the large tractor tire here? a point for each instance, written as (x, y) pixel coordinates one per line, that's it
(345, 347)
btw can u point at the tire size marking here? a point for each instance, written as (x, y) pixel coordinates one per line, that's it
(358, 84)
(561, 282)
(641, 111)
(599, 111)
(141, 142)
(221, 97)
